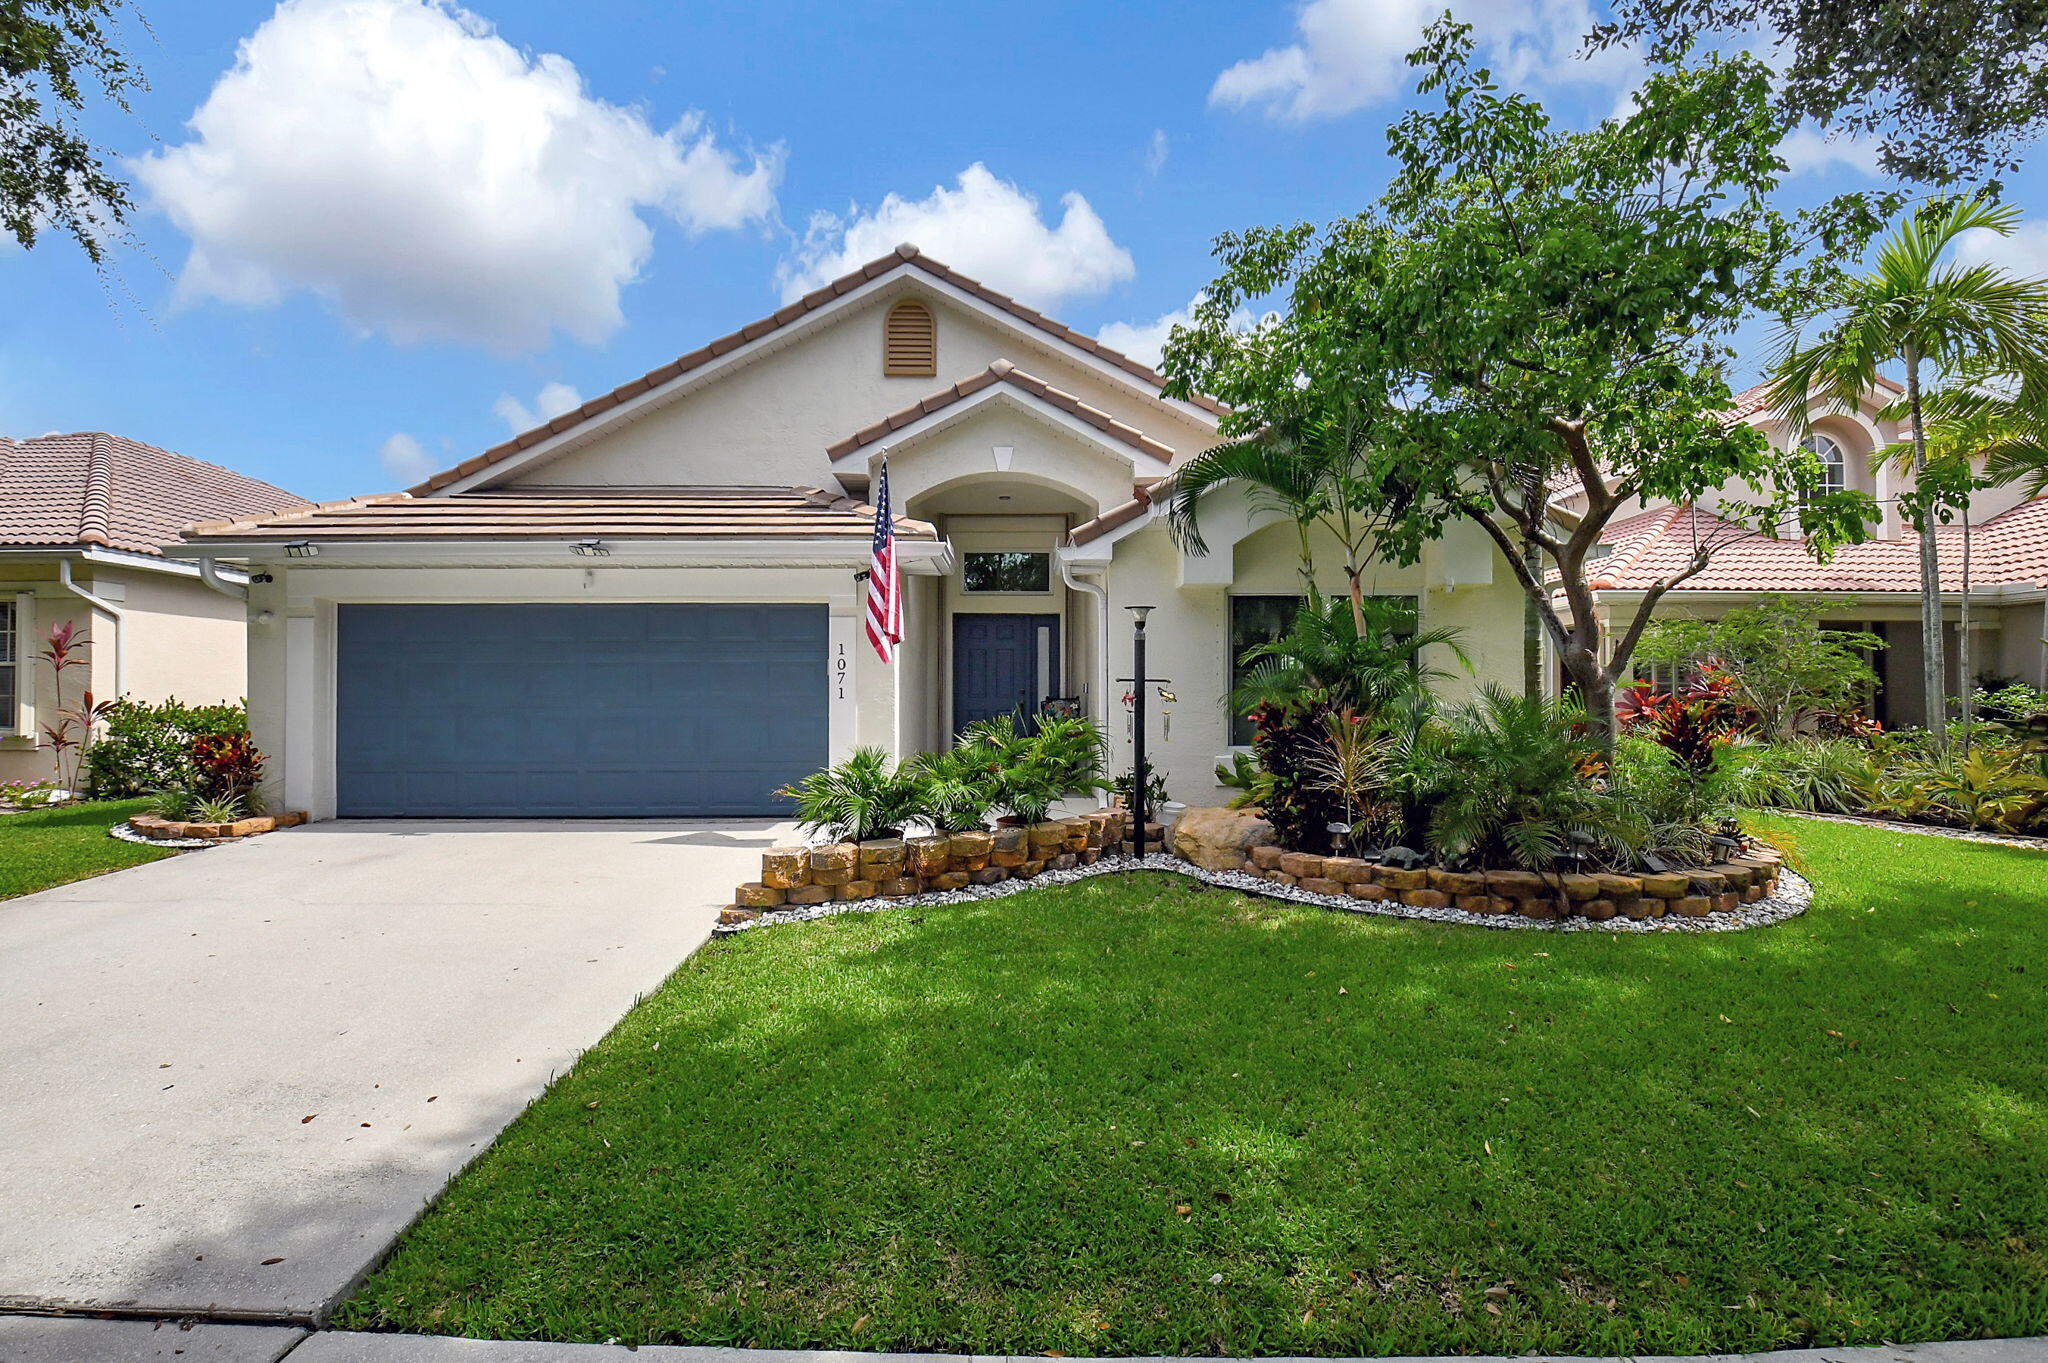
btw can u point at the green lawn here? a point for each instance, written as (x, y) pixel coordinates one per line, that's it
(46, 847)
(1136, 1117)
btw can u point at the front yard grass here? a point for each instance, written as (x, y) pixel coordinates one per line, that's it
(1133, 1116)
(45, 847)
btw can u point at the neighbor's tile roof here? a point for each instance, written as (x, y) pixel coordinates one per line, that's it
(91, 488)
(1002, 371)
(570, 513)
(2008, 549)
(782, 317)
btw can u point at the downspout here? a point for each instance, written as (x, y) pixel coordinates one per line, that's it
(65, 581)
(1100, 591)
(209, 573)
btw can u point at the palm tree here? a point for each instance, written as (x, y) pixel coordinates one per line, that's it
(1327, 656)
(1312, 474)
(1985, 419)
(1934, 318)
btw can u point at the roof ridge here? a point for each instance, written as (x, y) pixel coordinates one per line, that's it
(297, 514)
(96, 515)
(905, 254)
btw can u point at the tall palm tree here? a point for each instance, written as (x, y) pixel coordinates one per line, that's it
(1984, 430)
(1933, 317)
(1313, 474)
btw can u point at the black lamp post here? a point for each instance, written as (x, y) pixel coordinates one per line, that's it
(1140, 787)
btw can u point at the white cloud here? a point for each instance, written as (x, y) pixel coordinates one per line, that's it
(1809, 151)
(405, 459)
(2025, 252)
(1348, 54)
(1146, 341)
(984, 227)
(430, 181)
(552, 400)
(1156, 152)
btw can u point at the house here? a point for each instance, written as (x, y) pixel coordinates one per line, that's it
(1872, 586)
(651, 604)
(84, 519)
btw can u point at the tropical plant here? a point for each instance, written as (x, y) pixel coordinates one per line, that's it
(1522, 797)
(1326, 659)
(28, 794)
(1824, 775)
(146, 746)
(1030, 770)
(218, 809)
(956, 788)
(1243, 774)
(172, 802)
(70, 735)
(1311, 468)
(866, 796)
(1125, 787)
(227, 766)
(1692, 722)
(2017, 703)
(1773, 660)
(1353, 765)
(1934, 318)
(1673, 805)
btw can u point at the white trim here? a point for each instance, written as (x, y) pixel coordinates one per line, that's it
(124, 558)
(891, 281)
(22, 721)
(916, 556)
(117, 614)
(934, 422)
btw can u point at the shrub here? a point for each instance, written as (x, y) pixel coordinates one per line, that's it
(147, 746)
(226, 766)
(956, 788)
(866, 796)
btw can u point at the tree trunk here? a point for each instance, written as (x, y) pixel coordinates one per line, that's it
(1532, 626)
(1356, 576)
(1966, 685)
(1596, 693)
(1933, 676)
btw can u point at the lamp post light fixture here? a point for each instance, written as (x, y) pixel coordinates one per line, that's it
(1139, 785)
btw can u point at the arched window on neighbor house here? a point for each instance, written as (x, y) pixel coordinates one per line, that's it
(1834, 465)
(910, 342)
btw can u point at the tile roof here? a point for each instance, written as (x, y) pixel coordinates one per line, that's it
(92, 488)
(570, 513)
(2009, 549)
(1002, 371)
(905, 255)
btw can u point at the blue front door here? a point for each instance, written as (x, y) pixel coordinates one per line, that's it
(1003, 664)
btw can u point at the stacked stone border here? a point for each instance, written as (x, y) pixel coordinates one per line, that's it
(1755, 891)
(150, 827)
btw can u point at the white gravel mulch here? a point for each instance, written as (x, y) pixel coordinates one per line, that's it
(126, 833)
(1794, 896)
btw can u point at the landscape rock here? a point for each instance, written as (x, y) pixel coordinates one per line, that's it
(1218, 839)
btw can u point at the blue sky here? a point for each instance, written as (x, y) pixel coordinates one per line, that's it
(379, 233)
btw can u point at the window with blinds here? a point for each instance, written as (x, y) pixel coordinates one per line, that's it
(10, 669)
(910, 342)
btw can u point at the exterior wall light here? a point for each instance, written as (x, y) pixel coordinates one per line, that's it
(589, 549)
(301, 549)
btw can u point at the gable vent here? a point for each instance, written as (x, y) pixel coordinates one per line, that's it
(910, 342)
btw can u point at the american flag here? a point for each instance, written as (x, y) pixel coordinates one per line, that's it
(885, 602)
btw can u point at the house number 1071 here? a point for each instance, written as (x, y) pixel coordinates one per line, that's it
(840, 669)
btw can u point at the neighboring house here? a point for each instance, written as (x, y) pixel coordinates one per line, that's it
(1874, 585)
(84, 519)
(650, 604)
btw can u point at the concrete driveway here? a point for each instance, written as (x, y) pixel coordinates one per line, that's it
(230, 1079)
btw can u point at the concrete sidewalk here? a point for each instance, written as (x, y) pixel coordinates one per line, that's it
(234, 1077)
(25, 1339)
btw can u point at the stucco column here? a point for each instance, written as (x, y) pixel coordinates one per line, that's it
(267, 709)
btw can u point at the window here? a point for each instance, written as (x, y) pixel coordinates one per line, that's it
(1256, 620)
(910, 342)
(1007, 572)
(10, 669)
(1834, 468)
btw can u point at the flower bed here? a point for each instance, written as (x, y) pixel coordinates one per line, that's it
(179, 830)
(799, 883)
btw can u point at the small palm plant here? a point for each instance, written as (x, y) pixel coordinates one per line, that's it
(866, 796)
(1325, 655)
(1521, 795)
(956, 788)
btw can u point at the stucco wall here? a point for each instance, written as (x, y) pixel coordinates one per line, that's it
(1188, 640)
(768, 422)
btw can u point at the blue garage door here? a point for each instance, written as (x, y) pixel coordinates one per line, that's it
(561, 711)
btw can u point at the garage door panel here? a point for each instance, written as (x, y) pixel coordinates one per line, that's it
(561, 710)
